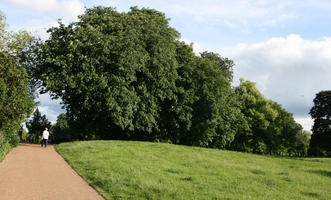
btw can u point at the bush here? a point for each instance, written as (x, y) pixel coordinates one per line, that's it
(4, 145)
(4, 148)
(11, 136)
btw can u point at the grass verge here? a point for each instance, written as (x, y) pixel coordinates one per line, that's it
(142, 170)
(5, 147)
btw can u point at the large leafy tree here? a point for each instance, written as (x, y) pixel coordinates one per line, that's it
(112, 70)
(16, 101)
(126, 75)
(320, 143)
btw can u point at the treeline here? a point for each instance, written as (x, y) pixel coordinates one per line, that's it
(127, 75)
(16, 99)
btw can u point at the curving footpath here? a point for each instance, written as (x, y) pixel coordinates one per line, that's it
(31, 172)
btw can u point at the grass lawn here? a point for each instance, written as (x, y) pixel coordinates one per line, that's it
(142, 170)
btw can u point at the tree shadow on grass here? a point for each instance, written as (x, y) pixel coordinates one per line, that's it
(311, 194)
(321, 172)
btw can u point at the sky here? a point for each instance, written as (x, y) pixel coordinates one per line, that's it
(283, 46)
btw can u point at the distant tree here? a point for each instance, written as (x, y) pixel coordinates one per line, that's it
(36, 125)
(259, 114)
(272, 130)
(320, 143)
(301, 145)
(61, 131)
(284, 134)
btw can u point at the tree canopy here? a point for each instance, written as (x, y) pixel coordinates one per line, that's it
(320, 143)
(61, 131)
(272, 130)
(16, 101)
(123, 75)
(128, 76)
(112, 69)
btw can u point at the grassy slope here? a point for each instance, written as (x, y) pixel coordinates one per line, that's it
(141, 170)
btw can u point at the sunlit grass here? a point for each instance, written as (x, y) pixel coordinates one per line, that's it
(141, 170)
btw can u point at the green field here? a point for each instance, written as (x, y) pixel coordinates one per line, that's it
(142, 170)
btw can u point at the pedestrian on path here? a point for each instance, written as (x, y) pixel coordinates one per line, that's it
(45, 138)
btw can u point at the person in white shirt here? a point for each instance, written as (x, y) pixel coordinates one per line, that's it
(45, 138)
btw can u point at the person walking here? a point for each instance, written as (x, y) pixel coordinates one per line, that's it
(45, 138)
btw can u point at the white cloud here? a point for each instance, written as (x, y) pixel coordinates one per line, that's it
(221, 9)
(306, 122)
(231, 14)
(68, 9)
(50, 108)
(39, 27)
(288, 70)
(196, 46)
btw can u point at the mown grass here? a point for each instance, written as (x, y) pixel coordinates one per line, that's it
(142, 170)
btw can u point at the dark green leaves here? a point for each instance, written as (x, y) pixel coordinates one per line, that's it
(320, 144)
(114, 68)
(16, 102)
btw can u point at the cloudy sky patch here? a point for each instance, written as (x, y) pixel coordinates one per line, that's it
(289, 70)
(69, 9)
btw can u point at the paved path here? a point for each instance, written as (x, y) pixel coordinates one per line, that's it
(30, 172)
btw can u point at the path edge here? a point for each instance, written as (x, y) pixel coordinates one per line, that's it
(76, 172)
(10, 149)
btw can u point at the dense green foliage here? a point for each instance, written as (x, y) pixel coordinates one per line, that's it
(4, 146)
(37, 125)
(206, 111)
(128, 76)
(272, 130)
(61, 131)
(16, 101)
(112, 71)
(141, 170)
(320, 144)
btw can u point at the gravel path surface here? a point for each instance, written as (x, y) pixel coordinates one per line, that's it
(30, 172)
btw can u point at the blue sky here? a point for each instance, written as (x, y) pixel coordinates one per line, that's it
(283, 46)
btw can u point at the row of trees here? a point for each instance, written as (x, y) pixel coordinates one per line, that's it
(16, 99)
(128, 76)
